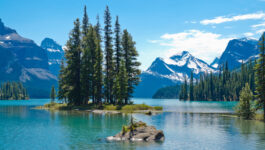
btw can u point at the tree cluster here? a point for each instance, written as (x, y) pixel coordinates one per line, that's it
(223, 86)
(90, 73)
(13, 91)
(239, 84)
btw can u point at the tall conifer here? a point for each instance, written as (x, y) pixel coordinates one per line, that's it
(260, 75)
(73, 56)
(131, 63)
(109, 66)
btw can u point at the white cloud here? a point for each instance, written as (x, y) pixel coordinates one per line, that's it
(248, 34)
(258, 25)
(260, 31)
(223, 19)
(204, 45)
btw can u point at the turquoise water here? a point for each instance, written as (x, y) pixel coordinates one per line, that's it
(22, 127)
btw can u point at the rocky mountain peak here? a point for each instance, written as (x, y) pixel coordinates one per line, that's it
(5, 30)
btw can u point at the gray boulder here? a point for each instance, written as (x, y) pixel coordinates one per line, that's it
(139, 131)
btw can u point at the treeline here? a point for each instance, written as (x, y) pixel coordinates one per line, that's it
(90, 73)
(169, 92)
(224, 86)
(13, 91)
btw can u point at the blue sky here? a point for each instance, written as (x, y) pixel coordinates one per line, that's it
(160, 27)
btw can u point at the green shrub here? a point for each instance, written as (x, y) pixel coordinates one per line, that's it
(158, 108)
(110, 107)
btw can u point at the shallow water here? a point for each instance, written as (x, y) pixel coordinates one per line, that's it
(22, 127)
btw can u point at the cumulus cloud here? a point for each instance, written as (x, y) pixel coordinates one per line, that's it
(204, 45)
(223, 19)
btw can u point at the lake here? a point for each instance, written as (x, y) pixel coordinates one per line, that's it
(186, 125)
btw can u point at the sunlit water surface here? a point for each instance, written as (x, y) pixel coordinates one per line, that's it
(187, 125)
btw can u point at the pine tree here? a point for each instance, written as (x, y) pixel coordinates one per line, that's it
(109, 68)
(53, 94)
(185, 90)
(131, 63)
(260, 75)
(85, 25)
(98, 65)
(123, 83)
(86, 64)
(244, 107)
(118, 50)
(61, 83)
(93, 53)
(191, 86)
(73, 56)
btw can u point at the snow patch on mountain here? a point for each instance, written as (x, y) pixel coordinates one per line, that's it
(179, 66)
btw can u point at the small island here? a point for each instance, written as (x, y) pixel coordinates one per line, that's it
(87, 81)
(105, 108)
(138, 131)
(13, 91)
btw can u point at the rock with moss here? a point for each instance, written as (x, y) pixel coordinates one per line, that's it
(138, 131)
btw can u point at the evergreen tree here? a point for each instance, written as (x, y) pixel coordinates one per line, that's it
(98, 76)
(121, 84)
(93, 53)
(185, 90)
(85, 25)
(191, 86)
(53, 94)
(86, 64)
(260, 75)
(118, 50)
(73, 56)
(109, 66)
(131, 63)
(244, 107)
(61, 83)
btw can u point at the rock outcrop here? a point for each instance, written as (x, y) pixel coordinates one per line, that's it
(138, 131)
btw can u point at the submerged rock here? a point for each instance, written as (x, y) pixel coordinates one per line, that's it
(139, 131)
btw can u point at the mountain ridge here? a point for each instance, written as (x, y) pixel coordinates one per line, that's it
(23, 60)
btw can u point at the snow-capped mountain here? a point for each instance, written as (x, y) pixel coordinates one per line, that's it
(23, 60)
(55, 54)
(238, 51)
(169, 71)
(215, 63)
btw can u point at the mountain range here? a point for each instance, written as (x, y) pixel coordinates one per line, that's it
(171, 71)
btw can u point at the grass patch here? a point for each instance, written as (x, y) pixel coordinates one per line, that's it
(90, 106)
(132, 127)
(259, 117)
(110, 107)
